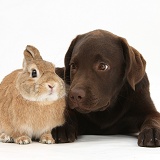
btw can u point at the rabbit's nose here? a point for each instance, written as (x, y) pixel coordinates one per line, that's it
(50, 86)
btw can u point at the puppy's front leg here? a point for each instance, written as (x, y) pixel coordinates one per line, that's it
(150, 132)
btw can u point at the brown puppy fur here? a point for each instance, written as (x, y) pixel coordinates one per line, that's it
(32, 101)
(109, 90)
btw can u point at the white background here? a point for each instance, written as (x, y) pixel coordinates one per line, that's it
(50, 25)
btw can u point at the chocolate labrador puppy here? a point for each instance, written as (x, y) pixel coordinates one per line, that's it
(108, 90)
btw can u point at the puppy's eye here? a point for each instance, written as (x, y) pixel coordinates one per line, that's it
(34, 73)
(103, 67)
(73, 66)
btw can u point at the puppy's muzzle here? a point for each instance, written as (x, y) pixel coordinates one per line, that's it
(77, 96)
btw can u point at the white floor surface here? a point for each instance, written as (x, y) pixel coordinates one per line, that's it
(117, 147)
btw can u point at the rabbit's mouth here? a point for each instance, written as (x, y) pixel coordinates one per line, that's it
(52, 97)
(51, 92)
(51, 89)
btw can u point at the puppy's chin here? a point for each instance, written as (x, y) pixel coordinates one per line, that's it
(89, 110)
(84, 111)
(104, 108)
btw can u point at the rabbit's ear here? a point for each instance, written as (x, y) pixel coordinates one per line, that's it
(31, 53)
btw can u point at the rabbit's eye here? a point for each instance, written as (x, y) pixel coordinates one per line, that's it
(34, 73)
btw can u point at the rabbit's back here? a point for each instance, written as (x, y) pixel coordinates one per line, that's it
(7, 91)
(8, 88)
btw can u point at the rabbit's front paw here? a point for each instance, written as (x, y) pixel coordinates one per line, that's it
(47, 139)
(5, 138)
(23, 140)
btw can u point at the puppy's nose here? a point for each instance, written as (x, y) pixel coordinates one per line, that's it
(77, 95)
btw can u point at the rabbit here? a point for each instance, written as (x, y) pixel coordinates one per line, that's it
(32, 101)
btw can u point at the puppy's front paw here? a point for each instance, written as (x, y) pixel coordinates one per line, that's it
(64, 134)
(47, 139)
(149, 138)
(5, 138)
(23, 140)
(68, 132)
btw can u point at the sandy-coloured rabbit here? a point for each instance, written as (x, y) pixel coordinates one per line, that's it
(32, 101)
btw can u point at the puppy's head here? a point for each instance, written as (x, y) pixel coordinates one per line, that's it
(97, 65)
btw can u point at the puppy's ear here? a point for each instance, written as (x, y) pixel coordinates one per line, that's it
(135, 64)
(67, 60)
